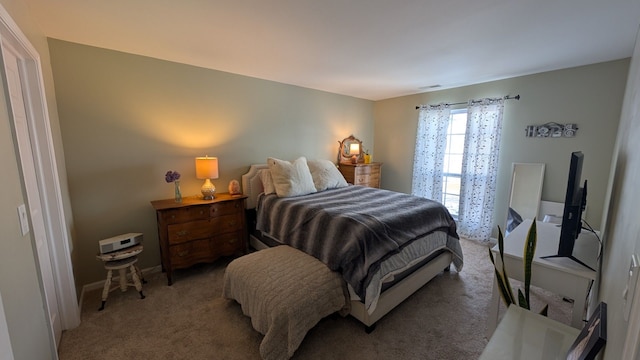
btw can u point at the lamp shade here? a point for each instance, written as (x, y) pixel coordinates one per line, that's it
(207, 167)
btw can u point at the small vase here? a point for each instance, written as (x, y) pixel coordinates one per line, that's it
(178, 193)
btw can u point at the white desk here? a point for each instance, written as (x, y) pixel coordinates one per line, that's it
(562, 276)
(523, 335)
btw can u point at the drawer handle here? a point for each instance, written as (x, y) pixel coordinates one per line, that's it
(232, 241)
(201, 212)
(183, 253)
(182, 233)
(232, 223)
(173, 216)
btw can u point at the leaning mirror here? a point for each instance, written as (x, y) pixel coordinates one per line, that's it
(350, 150)
(526, 190)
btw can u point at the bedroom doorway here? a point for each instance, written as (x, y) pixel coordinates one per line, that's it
(24, 86)
(34, 206)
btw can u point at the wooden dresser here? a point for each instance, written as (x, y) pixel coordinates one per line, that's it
(361, 174)
(197, 230)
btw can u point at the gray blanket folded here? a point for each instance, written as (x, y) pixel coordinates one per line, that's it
(285, 292)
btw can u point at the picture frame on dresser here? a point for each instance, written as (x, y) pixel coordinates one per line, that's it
(593, 336)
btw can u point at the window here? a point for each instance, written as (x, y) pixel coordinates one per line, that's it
(443, 139)
(452, 171)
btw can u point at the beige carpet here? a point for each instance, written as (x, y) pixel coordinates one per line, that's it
(189, 320)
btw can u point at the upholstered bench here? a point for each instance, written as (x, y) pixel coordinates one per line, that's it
(285, 292)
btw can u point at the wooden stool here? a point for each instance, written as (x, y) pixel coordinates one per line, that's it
(122, 265)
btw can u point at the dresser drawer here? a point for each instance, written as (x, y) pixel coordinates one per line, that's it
(362, 170)
(361, 180)
(180, 215)
(228, 244)
(189, 253)
(193, 230)
(226, 208)
(367, 179)
(227, 223)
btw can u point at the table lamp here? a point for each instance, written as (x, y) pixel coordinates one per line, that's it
(354, 150)
(207, 168)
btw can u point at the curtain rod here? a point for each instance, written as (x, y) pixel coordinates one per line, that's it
(506, 97)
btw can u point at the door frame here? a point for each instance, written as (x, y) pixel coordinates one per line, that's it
(48, 180)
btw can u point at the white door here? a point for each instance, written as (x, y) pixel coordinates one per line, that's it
(39, 235)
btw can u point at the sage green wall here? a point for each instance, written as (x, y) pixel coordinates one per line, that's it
(19, 280)
(127, 119)
(590, 96)
(143, 116)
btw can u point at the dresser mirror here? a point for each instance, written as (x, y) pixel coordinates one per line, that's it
(344, 151)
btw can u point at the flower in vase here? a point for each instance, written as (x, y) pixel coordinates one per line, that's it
(171, 176)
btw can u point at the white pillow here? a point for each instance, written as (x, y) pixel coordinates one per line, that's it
(326, 175)
(291, 178)
(267, 182)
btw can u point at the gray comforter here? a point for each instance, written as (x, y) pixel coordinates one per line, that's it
(353, 229)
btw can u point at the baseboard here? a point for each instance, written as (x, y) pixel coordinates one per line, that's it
(100, 284)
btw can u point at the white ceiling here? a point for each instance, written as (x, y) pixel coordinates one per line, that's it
(370, 49)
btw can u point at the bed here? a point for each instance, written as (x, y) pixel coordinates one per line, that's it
(377, 282)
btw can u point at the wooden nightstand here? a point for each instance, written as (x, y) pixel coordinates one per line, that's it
(196, 230)
(361, 174)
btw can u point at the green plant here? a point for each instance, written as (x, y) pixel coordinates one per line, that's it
(503, 279)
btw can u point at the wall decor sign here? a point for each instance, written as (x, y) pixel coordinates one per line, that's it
(551, 129)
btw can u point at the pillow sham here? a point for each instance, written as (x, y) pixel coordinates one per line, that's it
(267, 182)
(325, 175)
(291, 178)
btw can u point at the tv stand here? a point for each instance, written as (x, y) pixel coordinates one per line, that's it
(569, 257)
(559, 275)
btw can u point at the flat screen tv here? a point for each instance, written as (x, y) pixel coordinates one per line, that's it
(574, 204)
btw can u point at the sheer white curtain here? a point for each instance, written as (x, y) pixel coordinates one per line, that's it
(480, 168)
(431, 142)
